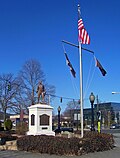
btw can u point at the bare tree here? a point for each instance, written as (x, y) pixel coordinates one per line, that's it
(17, 93)
(8, 90)
(30, 75)
(71, 105)
(50, 91)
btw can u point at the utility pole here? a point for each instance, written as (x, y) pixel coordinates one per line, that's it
(98, 116)
(97, 103)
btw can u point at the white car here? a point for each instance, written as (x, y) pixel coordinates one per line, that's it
(115, 126)
(14, 124)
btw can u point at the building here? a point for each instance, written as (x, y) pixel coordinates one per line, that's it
(17, 118)
(109, 114)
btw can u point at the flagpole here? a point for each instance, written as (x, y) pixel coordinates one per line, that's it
(81, 89)
(88, 50)
(81, 83)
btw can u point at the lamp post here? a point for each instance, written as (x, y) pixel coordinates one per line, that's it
(59, 109)
(115, 111)
(92, 99)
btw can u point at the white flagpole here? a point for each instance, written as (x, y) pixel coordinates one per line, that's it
(81, 83)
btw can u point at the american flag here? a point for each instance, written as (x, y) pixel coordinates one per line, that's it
(83, 36)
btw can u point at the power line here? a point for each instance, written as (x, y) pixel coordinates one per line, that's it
(56, 96)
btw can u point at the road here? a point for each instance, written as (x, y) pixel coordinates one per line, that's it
(116, 134)
(114, 153)
(111, 131)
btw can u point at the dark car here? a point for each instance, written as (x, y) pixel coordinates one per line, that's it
(115, 126)
(64, 129)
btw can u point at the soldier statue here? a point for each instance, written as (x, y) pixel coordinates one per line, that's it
(41, 92)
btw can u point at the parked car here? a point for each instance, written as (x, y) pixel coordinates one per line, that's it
(115, 126)
(64, 129)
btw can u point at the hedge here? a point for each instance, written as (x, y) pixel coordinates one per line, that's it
(91, 142)
(94, 141)
(8, 137)
(8, 124)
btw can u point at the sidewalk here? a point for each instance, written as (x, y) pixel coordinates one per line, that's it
(117, 139)
(114, 153)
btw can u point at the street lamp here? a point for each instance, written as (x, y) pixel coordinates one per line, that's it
(115, 111)
(59, 109)
(92, 99)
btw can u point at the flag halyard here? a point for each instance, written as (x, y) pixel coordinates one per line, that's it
(83, 36)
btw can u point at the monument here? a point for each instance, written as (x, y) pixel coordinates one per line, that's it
(40, 116)
(41, 92)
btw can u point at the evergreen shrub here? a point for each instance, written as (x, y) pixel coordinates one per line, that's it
(94, 141)
(8, 137)
(8, 124)
(91, 142)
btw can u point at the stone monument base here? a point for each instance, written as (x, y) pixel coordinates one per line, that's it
(40, 120)
(49, 133)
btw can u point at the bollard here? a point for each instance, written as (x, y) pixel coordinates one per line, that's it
(99, 130)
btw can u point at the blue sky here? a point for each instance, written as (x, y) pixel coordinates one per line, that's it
(34, 29)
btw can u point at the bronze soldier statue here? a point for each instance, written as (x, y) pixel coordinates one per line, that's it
(41, 92)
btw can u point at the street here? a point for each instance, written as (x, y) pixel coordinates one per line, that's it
(111, 131)
(116, 134)
(109, 154)
(21, 154)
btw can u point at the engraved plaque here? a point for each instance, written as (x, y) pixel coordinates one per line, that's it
(44, 120)
(44, 128)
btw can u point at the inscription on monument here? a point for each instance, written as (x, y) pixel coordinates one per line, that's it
(44, 120)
